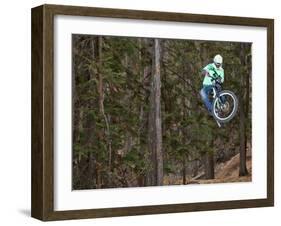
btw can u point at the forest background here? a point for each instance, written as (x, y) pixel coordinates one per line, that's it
(138, 119)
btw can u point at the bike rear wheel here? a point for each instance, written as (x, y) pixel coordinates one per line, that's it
(225, 106)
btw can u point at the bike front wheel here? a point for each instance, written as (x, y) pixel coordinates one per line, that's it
(225, 106)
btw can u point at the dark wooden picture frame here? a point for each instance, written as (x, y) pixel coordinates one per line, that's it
(42, 203)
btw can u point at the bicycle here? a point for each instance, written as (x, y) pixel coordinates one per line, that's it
(225, 102)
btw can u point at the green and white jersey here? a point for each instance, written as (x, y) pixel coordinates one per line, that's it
(214, 72)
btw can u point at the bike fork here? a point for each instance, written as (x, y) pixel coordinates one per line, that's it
(219, 125)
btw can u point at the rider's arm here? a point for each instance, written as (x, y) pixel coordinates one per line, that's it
(207, 70)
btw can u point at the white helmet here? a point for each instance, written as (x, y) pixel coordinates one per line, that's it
(218, 59)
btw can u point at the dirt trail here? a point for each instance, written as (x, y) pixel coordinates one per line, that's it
(224, 172)
(229, 172)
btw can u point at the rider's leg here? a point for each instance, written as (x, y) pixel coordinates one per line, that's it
(204, 92)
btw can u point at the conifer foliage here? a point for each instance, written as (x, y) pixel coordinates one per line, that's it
(138, 119)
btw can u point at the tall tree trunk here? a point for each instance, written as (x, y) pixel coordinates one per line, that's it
(78, 128)
(98, 175)
(242, 169)
(141, 79)
(158, 126)
(143, 74)
(155, 127)
(242, 124)
(101, 102)
(209, 166)
(90, 128)
(77, 122)
(248, 67)
(184, 170)
(150, 178)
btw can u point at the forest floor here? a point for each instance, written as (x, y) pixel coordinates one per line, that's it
(229, 172)
(225, 172)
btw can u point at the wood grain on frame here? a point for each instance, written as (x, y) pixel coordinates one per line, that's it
(42, 203)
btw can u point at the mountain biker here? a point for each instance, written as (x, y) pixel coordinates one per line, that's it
(210, 71)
